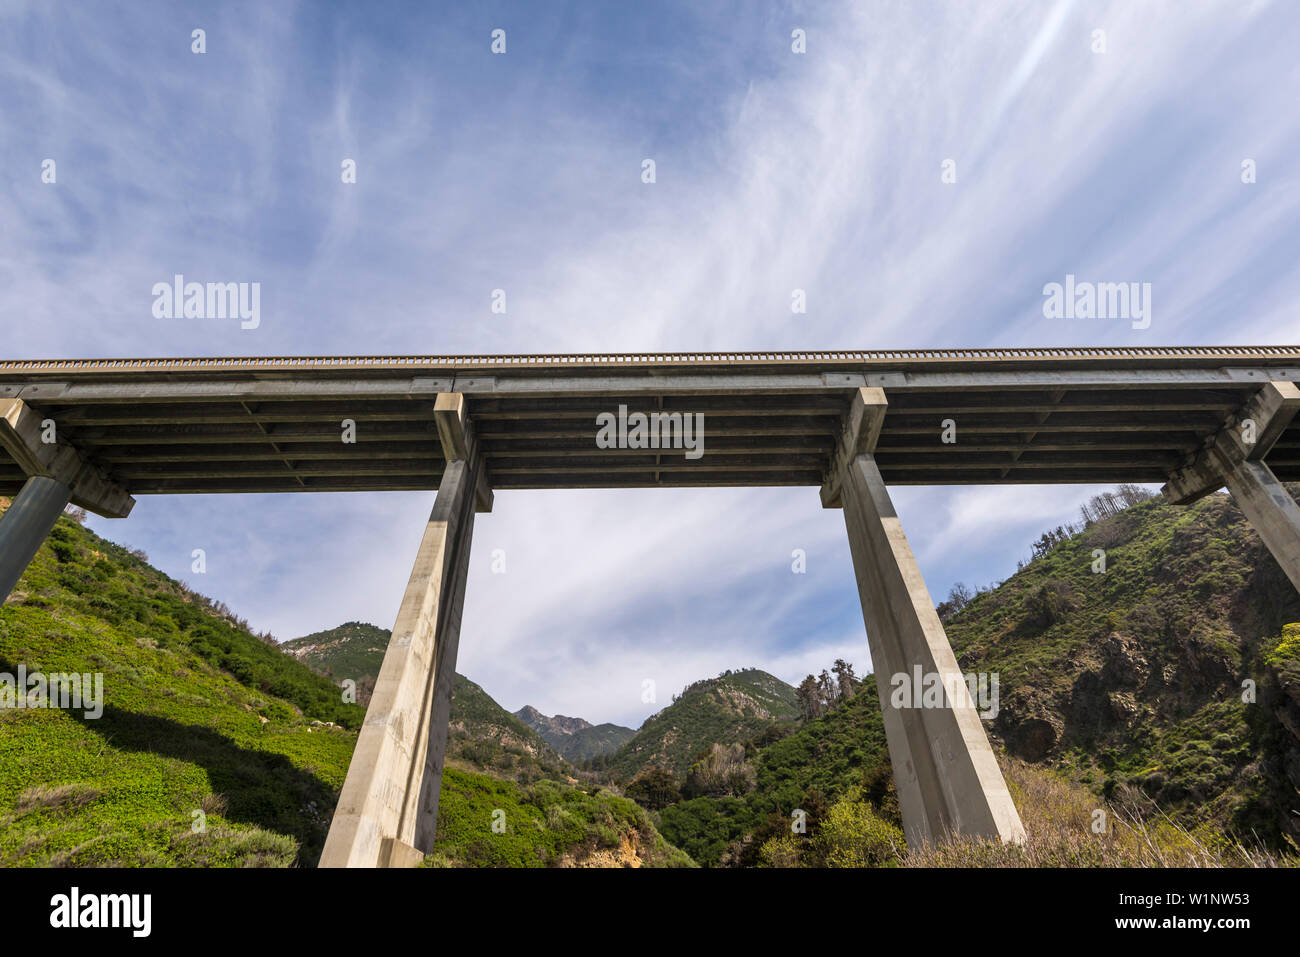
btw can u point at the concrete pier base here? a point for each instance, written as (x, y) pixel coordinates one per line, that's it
(948, 780)
(387, 811)
(25, 524)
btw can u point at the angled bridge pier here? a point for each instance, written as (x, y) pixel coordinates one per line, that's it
(1234, 457)
(388, 809)
(56, 473)
(948, 780)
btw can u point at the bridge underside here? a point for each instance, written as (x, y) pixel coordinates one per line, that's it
(97, 432)
(273, 425)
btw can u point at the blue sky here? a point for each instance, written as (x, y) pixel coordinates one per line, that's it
(522, 171)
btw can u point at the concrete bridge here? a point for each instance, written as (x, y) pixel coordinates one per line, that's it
(99, 432)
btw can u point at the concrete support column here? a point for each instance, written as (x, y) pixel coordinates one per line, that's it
(24, 525)
(948, 780)
(387, 813)
(1271, 510)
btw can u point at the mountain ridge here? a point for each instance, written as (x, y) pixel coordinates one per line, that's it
(729, 707)
(576, 739)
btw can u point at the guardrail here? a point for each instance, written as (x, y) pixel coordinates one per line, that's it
(578, 360)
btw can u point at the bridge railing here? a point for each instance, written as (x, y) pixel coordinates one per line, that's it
(615, 360)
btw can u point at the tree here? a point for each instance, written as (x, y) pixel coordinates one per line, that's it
(720, 771)
(852, 834)
(654, 789)
(1132, 494)
(845, 679)
(826, 690)
(809, 700)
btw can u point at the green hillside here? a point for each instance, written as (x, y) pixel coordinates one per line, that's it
(481, 734)
(198, 716)
(353, 650)
(732, 707)
(1120, 687)
(1135, 674)
(595, 741)
(545, 824)
(575, 739)
(805, 767)
(215, 748)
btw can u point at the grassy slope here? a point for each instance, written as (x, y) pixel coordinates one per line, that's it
(198, 716)
(483, 735)
(724, 709)
(545, 824)
(183, 730)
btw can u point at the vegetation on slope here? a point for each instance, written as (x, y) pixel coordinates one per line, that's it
(731, 707)
(808, 768)
(481, 734)
(216, 749)
(1066, 825)
(1153, 672)
(205, 753)
(353, 650)
(544, 824)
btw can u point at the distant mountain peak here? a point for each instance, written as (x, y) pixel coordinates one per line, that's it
(559, 724)
(575, 738)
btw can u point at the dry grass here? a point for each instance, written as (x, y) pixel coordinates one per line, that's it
(1068, 826)
(64, 796)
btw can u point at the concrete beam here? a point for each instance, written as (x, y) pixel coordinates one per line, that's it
(456, 433)
(1096, 378)
(948, 780)
(605, 384)
(308, 383)
(22, 435)
(1247, 436)
(387, 810)
(861, 431)
(449, 412)
(299, 387)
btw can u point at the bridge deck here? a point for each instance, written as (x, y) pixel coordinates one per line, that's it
(274, 424)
